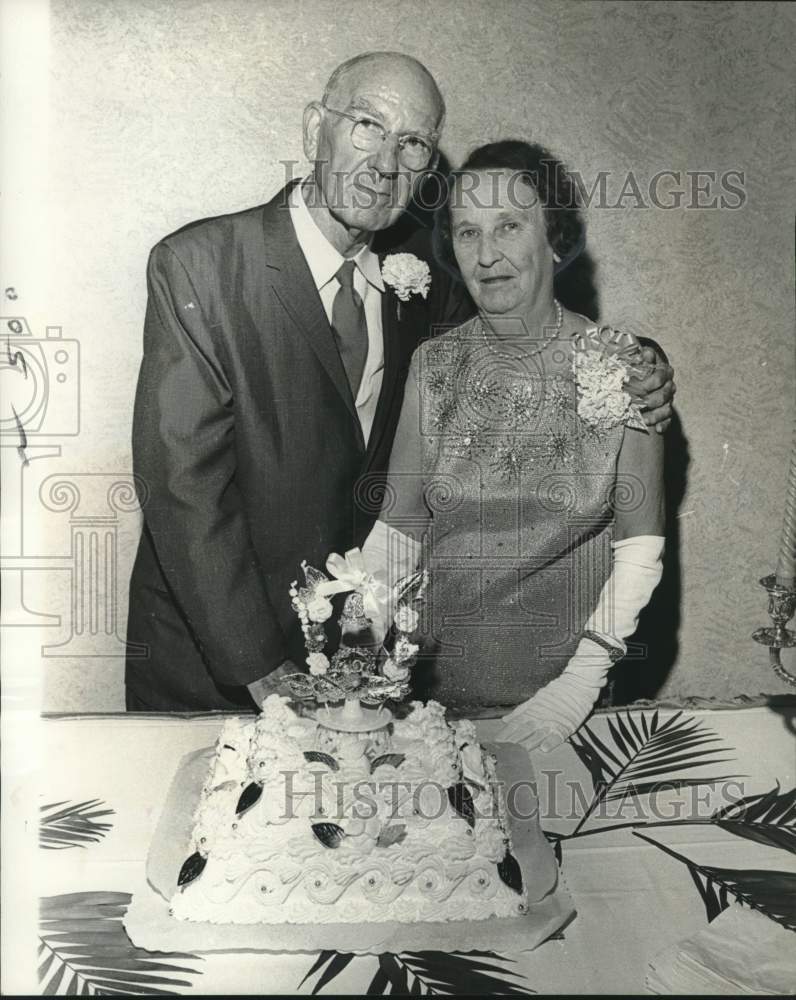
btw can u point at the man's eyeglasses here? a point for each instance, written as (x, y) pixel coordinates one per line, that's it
(415, 152)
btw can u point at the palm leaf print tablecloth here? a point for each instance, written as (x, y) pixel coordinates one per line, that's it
(674, 830)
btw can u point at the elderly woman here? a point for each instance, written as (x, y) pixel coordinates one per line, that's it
(521, 465)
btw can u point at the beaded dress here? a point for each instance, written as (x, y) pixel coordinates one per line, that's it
(520, 493)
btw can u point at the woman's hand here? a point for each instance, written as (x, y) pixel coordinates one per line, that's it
(525, 726)
(559, 708)
(554, 713)
(654, 392)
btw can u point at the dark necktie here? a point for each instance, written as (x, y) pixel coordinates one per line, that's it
(350, 327)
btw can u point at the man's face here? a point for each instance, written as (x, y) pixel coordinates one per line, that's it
(500, 241)
(369, 189)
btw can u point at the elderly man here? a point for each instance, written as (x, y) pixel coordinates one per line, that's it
(274, 361)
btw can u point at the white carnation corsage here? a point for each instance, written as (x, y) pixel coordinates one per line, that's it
(407, 274)
(603, 361)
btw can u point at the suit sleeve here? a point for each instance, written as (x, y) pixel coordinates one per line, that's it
(184, 450)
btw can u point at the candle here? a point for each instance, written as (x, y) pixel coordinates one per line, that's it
(786, 563)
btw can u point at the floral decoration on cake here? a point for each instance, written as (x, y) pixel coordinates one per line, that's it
(362, 666)
(287, 833)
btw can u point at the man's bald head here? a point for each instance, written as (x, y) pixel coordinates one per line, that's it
(403, 72)
(370, 141)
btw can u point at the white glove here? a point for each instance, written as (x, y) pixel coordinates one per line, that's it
(560, 707)
(389, 555)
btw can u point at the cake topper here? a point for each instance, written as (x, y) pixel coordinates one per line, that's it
(366, 669)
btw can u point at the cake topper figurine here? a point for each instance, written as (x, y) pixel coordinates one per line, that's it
(371, 664)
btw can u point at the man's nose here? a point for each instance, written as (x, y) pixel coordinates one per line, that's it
(386, 158)
(489, 252)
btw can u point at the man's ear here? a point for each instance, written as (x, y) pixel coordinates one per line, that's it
(312, 130)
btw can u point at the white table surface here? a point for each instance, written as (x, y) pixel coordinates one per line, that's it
(633, 899)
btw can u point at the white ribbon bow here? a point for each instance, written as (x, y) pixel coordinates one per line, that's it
(609, 341)
(350, 574)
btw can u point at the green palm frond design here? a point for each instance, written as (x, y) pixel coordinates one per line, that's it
(429, 973)
(84, 950)
(72, 824)
(769, 818)
(772, 893)
(647, 754)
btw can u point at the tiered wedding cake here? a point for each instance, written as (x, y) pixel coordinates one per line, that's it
(351, 816)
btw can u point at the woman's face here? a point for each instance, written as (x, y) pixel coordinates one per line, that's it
(500, 242)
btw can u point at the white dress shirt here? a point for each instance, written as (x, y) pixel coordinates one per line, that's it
(324, 262)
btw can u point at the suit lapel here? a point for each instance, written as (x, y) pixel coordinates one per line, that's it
(293, 285)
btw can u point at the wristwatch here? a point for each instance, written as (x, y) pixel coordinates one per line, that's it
(615, 652)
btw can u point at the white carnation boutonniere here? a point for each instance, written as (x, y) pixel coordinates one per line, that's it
(407, 274)
(603, 361)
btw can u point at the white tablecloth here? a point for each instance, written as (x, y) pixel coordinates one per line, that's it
(634, 899)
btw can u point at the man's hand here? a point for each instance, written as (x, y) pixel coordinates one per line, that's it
(654, 393)
(272, 683)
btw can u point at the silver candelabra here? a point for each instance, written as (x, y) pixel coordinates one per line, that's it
(781, 605)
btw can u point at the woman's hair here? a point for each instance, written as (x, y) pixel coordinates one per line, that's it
(547, 175)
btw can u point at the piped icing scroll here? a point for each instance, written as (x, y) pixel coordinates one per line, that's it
(417, 834)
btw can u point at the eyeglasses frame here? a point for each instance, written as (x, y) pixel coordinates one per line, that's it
(432, 137)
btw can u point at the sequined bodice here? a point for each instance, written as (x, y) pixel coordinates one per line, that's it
(516, 418)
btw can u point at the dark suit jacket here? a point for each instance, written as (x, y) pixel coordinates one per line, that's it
(248, 448)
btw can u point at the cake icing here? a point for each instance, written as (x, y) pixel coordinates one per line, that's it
(285, 832)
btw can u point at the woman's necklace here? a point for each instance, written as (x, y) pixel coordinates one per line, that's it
(537, 350)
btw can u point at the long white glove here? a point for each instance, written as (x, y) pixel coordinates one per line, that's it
(389, 555)
(556, 710)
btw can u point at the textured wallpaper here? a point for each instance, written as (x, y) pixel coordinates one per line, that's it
(160, 113)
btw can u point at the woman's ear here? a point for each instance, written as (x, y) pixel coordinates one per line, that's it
(312, 130)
